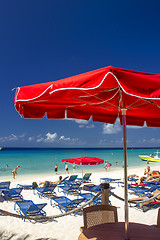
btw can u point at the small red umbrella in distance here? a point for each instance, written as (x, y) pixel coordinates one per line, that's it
(84, 161)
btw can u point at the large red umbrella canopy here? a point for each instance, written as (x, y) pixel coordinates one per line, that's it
(84, 160)
(100, 94)
(104, 94)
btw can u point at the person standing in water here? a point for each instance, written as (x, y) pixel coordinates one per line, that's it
(66, 168)
(14, 172)
(56, 169)
(106, 165)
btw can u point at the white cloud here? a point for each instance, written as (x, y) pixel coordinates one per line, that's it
(22, 136)
(81, 121)
(111, 142)
(50, 137)
(40, 139)
(67, 139)
(81, 126)
(90, 126)
(154, 140)
(30, 139)
(63, 138)
(134, 127)
(86, 126)
(112, 128)
(11, 137)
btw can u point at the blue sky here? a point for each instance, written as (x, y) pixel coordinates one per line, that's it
(48, 40)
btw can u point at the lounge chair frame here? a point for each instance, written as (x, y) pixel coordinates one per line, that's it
(12, 194)
(28, 208)
(65, 204)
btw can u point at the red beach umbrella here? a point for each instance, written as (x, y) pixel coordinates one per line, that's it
(104, 94)
(84, 161)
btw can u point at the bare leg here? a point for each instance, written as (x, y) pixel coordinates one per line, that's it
(145, 203)
(138, 199)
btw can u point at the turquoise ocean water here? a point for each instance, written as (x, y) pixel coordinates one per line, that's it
(42, 161)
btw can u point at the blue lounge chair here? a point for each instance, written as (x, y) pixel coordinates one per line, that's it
(89, 196)
(133, 179)
(110, 180)
(25, 186)
(47, 191)
(4, 186)
(63, 181)
(71, 179)
(149, 206)
(86, 177)
(28, 208)
(12, 194)
(65, 204)
(92, 188)
(71, 189)
(143, 191)
(146, 207)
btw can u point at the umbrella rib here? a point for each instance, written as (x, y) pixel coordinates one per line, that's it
(94, 95)
(102, 101)
(145, 102)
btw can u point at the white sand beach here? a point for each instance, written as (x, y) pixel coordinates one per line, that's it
(67, 227)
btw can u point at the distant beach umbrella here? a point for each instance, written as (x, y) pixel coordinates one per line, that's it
(84, 161)
(104, 94)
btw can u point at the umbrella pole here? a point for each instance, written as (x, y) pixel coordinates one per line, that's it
(82, 173)
(125, 174)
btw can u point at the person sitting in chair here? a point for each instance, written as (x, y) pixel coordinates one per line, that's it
(148, 200)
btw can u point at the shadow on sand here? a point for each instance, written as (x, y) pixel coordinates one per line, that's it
(13, 236)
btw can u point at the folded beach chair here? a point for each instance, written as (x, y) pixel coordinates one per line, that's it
(89, 196)
(70, 180)
(47, 191)
(92, 188)
(70, 189)
(65, 204)
(86, 177)
(25, 186)
(63, 181)
(13, 194)
(4, 186)
(110, 180)
(28, 208)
